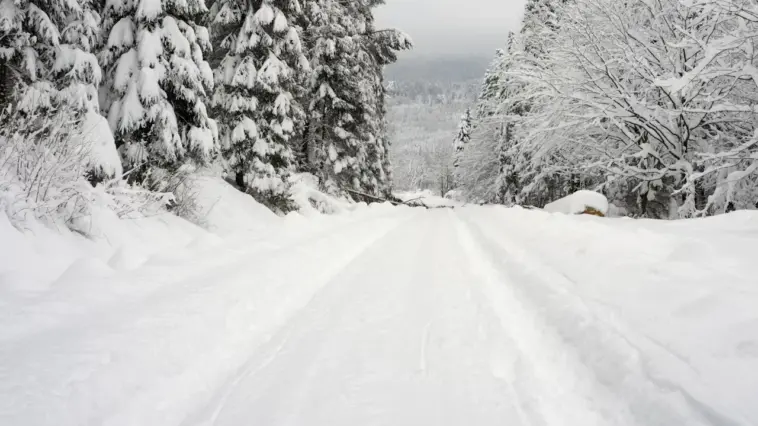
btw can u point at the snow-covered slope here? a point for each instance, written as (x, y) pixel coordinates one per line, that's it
(384, 316)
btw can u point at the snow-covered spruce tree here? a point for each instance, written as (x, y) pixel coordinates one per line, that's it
(334, 140)
(463, 137)
(477, 168)
(76, 70)
(156, 85)
(383, 46)
(347, 141)
(257, 80)
(78, 77)
(47, 68)
(29, 36)
(45, 55)
(487, 102)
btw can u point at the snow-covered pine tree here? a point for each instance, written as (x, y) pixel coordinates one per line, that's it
(333, 133)
(156, 85)
(463, 137)
(47, 68)
(255, 99)
(487, 102)
(478, 165)
(76, 70)
(29, 35)
(78, 77)
(347, 141)
(384, 46)
(46, 47)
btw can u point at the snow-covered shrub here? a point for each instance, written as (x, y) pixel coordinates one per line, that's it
(184, 197)
(44, 164)
(156, 83)
(311, 199)
(41, 173)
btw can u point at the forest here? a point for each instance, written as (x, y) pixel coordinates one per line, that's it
(284, 212)
(136, 94)
(652, 103)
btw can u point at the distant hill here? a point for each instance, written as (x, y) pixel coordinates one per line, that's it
(427, 97)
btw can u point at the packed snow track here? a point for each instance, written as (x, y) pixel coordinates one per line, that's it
(398, 316)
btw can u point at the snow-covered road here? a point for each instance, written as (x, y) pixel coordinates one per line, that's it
(397, 316)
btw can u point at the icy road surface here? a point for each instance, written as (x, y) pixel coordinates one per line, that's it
(397, 316)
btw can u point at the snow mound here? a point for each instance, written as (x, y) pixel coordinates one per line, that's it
(579, 202)
(224, 210)
(310, 200)
(96, 137)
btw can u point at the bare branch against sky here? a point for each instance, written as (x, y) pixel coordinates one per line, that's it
(453, 27)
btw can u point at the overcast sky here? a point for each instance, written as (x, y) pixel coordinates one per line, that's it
(453, 26)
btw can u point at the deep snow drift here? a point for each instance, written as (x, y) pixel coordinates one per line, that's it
(381, 315)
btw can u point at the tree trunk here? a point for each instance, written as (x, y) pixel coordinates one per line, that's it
(239, 179)
(7, 85)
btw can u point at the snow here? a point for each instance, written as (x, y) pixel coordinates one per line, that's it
(176, 38)
(311, 201)
(578, 203)
(125, 70)
(244, 74)
(225, 210)
(202, 140)
(245, 129)
(149, 10)
(150, 46)
(280, 23)
(81, 64)
(379, 315)
(97, 139)
(427, 198)
(265, 15)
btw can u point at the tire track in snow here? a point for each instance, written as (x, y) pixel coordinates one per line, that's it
(156, 292)
(607, 375)
(356, 354)
(172, 327)
(335, 296)
(261, 357)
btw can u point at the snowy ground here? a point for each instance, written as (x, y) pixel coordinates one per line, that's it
(387, 316)
(427, 198)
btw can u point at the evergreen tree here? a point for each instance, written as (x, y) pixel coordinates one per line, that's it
(488, 96)
(383, 46)
(47, 67)
(477, 167)
(257, 83)
(347, 142)
(463, 137)
(157, 83)
(333, 139)
(45, 55)
(76, 69)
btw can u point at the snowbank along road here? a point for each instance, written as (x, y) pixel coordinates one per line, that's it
(398, 316)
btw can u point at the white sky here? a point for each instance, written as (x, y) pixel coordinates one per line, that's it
(453, 26)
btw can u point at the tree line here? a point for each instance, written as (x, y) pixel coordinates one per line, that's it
(653, 103)
(264, 88)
